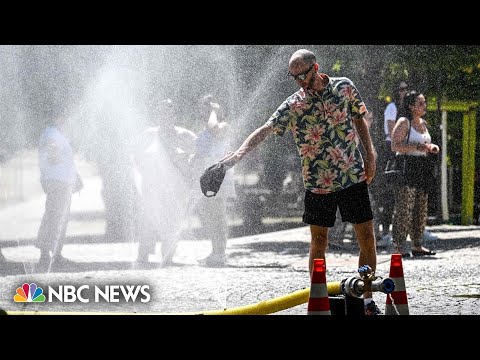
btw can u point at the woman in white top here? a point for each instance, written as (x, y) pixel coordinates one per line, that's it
(410, 137)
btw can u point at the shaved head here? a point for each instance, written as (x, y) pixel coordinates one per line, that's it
(301, 57)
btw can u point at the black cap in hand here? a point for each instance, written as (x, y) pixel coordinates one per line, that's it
(212, 179)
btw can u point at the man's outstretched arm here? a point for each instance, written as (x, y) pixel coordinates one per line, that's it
(250, 143)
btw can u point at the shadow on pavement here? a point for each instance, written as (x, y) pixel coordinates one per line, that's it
(282, 248)
(68, 266)
(453, 244)
(298, 247)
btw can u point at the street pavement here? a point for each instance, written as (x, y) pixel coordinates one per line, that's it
(259, 267)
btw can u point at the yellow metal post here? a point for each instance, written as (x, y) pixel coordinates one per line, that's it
(443, 170)
(468, 108)
(468, 166)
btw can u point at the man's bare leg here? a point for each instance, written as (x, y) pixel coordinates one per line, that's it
(318, 244)
(368, 249)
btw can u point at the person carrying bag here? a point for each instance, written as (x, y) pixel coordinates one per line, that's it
(411, 138)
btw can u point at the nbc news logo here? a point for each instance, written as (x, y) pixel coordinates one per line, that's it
(70, 293)
(29, 293)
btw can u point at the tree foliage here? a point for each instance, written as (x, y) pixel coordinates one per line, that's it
(449, 71)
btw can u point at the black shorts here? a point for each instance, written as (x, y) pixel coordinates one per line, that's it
(353, 202)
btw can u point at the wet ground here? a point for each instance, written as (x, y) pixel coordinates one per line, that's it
(259, 268)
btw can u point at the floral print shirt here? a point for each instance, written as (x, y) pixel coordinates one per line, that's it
(325, 135)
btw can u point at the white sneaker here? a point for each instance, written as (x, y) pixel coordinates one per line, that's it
(385, 240)
(428, 236)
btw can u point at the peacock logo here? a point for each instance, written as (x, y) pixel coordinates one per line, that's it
(29, 293)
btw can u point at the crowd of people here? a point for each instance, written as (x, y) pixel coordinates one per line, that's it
(166, 161)
(330, 124)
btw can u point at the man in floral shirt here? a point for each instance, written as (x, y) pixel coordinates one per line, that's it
(326, 119)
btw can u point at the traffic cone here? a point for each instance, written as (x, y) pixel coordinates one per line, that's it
(397, 303)
(318, 302)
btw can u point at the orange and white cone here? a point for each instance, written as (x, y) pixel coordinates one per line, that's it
(397, 303)
(318, 302)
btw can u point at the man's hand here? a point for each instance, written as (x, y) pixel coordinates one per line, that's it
(434, 149)
(230, 159)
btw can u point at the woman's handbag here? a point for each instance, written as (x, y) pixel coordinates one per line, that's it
(395, 168)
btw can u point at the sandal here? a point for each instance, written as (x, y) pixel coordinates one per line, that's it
(422, 252)
(404, 254)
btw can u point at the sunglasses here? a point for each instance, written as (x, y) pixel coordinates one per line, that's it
(301, 76)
